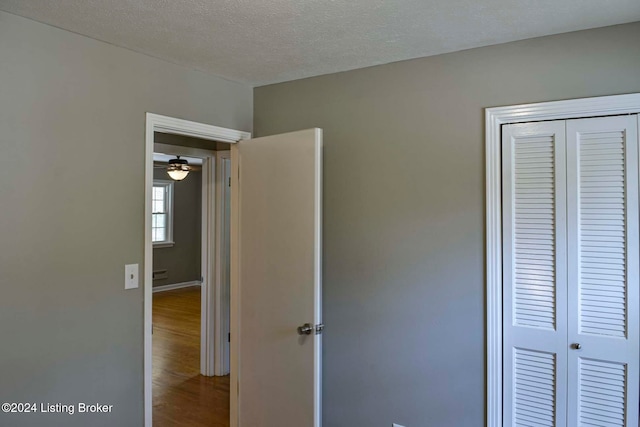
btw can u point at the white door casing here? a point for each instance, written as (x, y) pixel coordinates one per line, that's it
(495, 118)
(276, 259)
(164, 124)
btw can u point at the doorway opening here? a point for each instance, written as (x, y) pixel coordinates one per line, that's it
(187, 289)
(275, 272)
(190, 324)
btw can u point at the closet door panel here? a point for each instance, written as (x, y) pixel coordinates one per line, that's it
(534, 306)
(602, 250)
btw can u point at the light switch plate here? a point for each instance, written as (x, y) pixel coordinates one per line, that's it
(131, 272)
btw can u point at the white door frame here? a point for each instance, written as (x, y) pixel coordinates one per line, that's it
(494, 119)
(221, 301)
(164, 124)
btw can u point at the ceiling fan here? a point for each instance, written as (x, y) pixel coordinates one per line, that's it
(176, 168)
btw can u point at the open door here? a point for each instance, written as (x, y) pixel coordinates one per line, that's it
(276, 280)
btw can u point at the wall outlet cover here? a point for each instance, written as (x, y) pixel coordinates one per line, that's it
(396, 425)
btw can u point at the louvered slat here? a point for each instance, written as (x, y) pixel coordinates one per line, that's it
(534, 388)
(603, 388)
(602, 234)
(534, 232)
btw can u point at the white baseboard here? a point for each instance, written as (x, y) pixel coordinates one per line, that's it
(176, 286)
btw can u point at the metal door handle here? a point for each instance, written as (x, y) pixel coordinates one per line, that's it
(305, 329)
(576, 346)
(308, 329)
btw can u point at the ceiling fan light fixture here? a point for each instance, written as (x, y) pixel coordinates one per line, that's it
(178, 169)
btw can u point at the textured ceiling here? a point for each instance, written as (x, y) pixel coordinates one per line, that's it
(267, 41)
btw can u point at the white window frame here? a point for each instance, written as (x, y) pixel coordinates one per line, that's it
(494, 119)
(169, 189)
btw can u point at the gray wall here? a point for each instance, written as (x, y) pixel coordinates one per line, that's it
(404, 288)
(182, 260)
(72, 123)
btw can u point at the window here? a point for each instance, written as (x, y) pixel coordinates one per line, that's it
(162, 213)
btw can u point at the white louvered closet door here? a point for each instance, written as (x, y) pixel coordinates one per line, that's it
(534, 274)
(571, 273)
(602, 207)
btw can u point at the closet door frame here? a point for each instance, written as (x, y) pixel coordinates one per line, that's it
(494, 119)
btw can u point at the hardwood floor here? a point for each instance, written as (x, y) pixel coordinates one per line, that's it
(181, 396)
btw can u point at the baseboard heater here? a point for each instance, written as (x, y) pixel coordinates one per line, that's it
(160, 275)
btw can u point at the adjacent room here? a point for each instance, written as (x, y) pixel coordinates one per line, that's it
(190, 385)
(432, 213)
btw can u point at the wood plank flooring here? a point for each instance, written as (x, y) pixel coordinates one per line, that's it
(181, 396)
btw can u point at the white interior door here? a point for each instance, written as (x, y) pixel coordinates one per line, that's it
(534, 274)
(602, 206)
(277, 261)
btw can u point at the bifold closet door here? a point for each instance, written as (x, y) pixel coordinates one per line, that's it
(602, 208)
(534, 274)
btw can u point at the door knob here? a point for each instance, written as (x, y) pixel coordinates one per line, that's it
(576, 346)
(305, 329)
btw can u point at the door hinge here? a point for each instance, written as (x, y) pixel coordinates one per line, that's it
(229, 181)
(229, 337)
